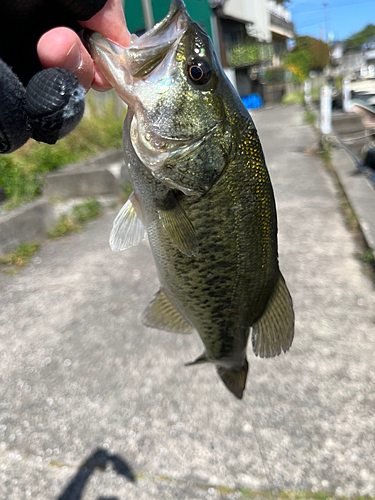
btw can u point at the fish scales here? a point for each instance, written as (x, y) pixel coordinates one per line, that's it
(226, 271)
(202, 193)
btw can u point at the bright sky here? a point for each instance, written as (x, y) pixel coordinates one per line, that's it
(343, 17)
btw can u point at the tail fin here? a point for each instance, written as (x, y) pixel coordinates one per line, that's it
(274, 331)
(235, 380)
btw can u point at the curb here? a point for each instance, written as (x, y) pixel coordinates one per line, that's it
(25, 224)
(360, 192)
(98, 176)
(358, 189)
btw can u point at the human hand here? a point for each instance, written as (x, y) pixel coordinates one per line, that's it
(52, 104)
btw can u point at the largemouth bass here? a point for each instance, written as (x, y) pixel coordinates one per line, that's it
(202, 193)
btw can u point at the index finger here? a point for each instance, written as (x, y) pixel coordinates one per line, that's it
(110, 22)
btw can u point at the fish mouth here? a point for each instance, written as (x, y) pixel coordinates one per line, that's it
(153, 149)
(147, 51)
(124, 66)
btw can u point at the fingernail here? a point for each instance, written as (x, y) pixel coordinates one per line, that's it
(73, 59)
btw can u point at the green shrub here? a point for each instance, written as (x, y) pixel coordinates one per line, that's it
(296, 97)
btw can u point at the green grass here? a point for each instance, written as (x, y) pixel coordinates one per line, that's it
(65, 224)
(325, 152)
(351, 219)
(299, 495)
(22, 172)
(13, 262)
(87, 211)
(367, 257)
(309, 117)
(261, 494)
(296, 97)
(73, 223)
(256, 494)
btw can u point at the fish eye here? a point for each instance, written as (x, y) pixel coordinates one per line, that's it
(199, 72)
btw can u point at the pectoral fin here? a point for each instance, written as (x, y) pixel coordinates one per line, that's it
(274, 331)
(128, 229)
(180, 229)
(163, 315)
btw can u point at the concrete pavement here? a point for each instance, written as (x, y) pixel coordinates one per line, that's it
(94, 406)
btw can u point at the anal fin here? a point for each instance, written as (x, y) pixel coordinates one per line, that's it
(235, 380)
(163, 315)
(128, 227)
(274, 330)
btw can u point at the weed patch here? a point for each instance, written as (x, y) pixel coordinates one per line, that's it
(73, 223)
(367, 256)
(87, 211)
(296, 97)
(309, 117)
(325, 154)
(13, 262)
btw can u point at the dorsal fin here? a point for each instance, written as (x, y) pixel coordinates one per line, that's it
(163, 315)
(274, 330)
(128, 229)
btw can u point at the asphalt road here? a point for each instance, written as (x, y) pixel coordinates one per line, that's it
(94, 406)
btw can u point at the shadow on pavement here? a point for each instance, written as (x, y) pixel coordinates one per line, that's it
(100, 459)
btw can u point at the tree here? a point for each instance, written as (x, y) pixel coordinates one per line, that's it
(309, 54)
(355, 41)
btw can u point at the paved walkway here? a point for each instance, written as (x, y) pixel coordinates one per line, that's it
(93, 406)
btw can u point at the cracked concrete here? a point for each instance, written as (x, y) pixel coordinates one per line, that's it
(82, 378)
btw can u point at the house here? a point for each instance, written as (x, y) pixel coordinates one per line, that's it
(353, 63)
(281, 28)
(248, 34)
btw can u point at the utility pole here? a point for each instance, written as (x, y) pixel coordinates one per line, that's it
(148, 15)
(321, 33)
(326, 20)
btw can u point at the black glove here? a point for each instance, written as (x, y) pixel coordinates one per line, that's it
(43, 104)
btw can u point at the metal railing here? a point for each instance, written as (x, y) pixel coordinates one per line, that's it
(283, 24)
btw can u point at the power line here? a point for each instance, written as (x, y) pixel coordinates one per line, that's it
(320, 21)
(332, 7)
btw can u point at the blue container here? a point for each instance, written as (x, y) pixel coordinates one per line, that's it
(252, 101)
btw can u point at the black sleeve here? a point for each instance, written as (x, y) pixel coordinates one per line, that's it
(82, 10)
(43, 104)
(14, 129)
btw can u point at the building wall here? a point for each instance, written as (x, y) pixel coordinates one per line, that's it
(255, 12)
(351, 63)
(199, 11)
